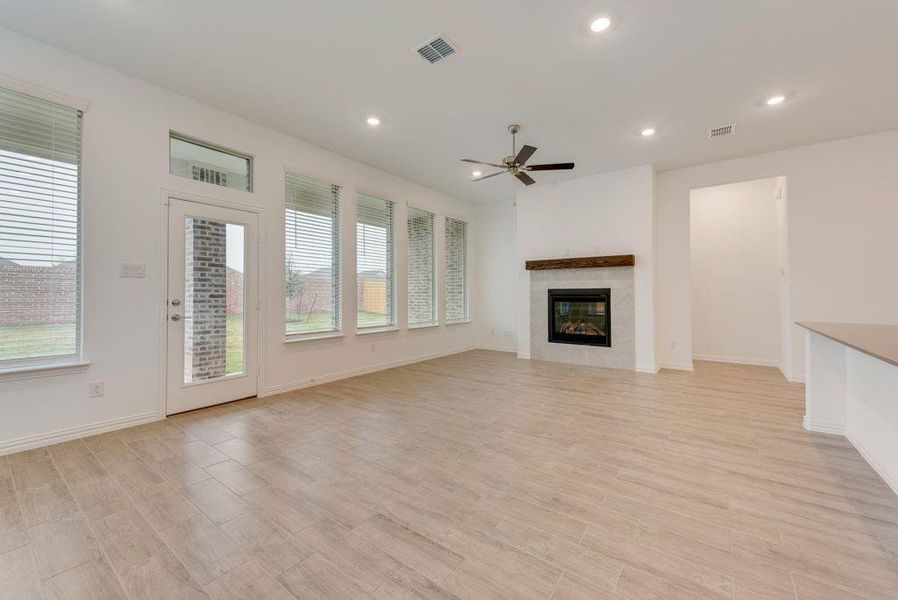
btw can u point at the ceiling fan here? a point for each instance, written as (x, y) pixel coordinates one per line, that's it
(516, 162)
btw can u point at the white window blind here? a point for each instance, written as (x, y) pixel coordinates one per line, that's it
(312, 285)
(40, 229)
(421, 268)
(456, 270)
(374, 261)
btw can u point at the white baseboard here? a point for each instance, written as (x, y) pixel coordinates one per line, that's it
(497, 348)
(736, 360)
(313, 381)
(646, 368)
(796, 379)
(64, 435)
(823, 426)
(677, 366)
(891, 482)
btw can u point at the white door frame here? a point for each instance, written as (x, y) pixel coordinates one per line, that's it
(166, 195)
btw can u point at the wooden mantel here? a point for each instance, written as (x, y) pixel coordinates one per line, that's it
(583, 262)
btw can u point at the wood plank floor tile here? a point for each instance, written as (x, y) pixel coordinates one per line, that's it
(41, 491)
(248, 581)
(62, 544)
(93, 580)
(18, 575)
(215, 500)
(471, 476)
(204, 549)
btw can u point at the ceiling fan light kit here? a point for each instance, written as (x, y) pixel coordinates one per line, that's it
(516, 162)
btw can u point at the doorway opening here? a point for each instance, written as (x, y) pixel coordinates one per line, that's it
(739, 273)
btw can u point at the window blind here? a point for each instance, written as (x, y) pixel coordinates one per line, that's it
(456, 270)
(374, 261)
(40, 231)
(312, 255)
(421, 268)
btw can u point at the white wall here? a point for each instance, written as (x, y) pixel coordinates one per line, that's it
(842, 210)
(125, 165)
(497, 275)
(735, 283)
(782, 272)
(606, 214)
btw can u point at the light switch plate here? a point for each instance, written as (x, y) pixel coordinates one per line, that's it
(136, 270)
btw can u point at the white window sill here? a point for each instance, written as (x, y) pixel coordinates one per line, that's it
(311, 337)
(458, 322)
(45, 370)
(381, 329)
(423, 325)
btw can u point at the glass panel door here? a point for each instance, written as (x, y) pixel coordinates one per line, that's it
(212, 260)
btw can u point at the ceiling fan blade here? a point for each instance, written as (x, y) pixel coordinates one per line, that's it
(488, 176)
(480, 162)
(524, 178)
(550, 167)
(525, 153)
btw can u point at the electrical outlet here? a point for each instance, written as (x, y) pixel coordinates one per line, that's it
(492, 332)
(96, 389)
(673, 345)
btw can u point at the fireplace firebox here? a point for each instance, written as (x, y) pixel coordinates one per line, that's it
(580, 316)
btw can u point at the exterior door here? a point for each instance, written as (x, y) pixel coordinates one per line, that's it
(212, 315)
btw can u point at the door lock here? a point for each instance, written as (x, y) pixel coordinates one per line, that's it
(176, 317)
(176, 302)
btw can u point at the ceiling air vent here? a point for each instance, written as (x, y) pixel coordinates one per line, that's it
(722, 131)
(436, 49)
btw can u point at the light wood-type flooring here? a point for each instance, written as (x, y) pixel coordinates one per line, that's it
(472, 476)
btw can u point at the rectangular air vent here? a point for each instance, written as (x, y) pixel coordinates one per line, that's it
(722, 131)
(436, 49)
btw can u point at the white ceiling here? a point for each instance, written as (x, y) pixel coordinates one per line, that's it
(315, 70)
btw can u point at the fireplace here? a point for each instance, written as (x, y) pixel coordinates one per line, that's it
(580, 316)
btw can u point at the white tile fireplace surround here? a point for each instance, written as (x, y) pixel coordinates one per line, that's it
(622, 353)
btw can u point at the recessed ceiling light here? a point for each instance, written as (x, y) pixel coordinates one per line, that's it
(774, 100)
(476, 173)
(600, 24)
(647, 132)
(373, 121)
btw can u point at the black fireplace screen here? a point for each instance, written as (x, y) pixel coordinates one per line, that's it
(578, 316)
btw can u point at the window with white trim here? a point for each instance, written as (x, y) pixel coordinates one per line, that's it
(312, 256)
(40, 232)
(456, 270)
(421, 268)
(374, 262)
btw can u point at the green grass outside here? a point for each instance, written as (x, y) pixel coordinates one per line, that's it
(321, 321)
(234, 357)
(35, 340)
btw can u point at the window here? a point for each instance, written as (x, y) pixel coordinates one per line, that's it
(421, 268)
(203, 162)
(40, 231)
(374, 261)
(456, 270)
(312, 284)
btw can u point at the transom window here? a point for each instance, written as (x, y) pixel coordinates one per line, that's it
(210, 164)
(40, 231)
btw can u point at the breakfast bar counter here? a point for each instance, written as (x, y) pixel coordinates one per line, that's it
(851, 389)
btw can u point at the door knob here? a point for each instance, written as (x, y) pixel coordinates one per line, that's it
(176, 302)
(176, 317)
